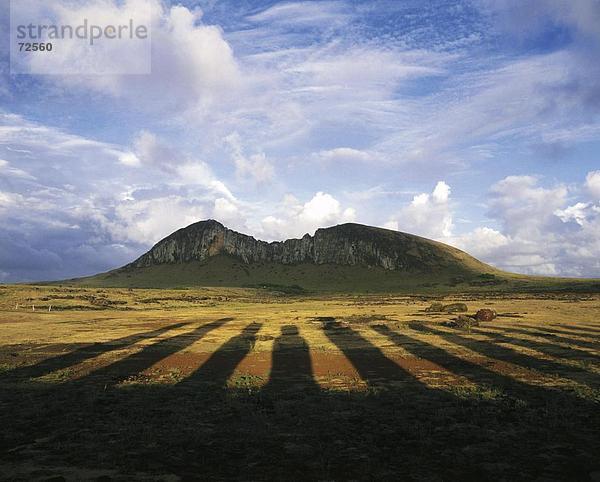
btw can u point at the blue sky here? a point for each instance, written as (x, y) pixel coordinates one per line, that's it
(473, 122)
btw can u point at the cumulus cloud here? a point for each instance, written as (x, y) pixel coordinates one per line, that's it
(191, 61)
(524, 208)
(130, 159)
(536, 229)
(428, 215)
(592, 183)
(294, 218)
(577, 213)
(541, 233)
(485, 242)
(120, 56)
(228, 212)
(148, 221)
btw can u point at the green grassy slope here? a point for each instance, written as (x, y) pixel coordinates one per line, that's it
(227, 271)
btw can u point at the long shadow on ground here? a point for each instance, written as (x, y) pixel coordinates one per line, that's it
(509, 355)
(590, 331)
(291, 364)
(223, 362)
(149, 355)
(86, 352)
(553, 335)
(506, 336)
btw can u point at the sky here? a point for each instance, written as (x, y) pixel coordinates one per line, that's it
(473, 122)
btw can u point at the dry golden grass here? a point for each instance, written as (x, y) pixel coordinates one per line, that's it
(355, 364)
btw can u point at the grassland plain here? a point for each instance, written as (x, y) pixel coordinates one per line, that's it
(257, 384)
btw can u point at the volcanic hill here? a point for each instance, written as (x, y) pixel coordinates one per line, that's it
(346, 258)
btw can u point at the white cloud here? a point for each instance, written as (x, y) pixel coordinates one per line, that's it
(302, 13)
(7, 170)
(294, 219)
(393, 225)
(592, 183)
(322, 208)
(483, 242)
(191, 61)
(227, 212)
(524, 208)
(181, 170)
(441, 193)
(364, 72)
(130, 159)
(150, 150)
(8, 199)
(577, 213)
(427, 215)
(255, 167)
(541, 233)
(195, 172)
(148, 221)
(25, 139)
(344, 154)
(71, 56)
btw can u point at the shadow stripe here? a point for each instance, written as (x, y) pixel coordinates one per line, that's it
(149, 355)
(508, 355)
(292, 363)
(223, 362)
(468, 369)
(535, 344)
(369, 361)
(86, 352)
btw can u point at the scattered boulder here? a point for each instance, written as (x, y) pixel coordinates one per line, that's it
(334, 324)
(456, 308)
(436, 307)
(463, 321)
(485, 314)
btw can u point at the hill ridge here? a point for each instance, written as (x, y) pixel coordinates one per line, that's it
(349, 244)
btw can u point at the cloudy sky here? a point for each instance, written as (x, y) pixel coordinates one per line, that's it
(474, 122)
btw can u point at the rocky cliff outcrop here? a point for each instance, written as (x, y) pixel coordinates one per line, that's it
(347, 244)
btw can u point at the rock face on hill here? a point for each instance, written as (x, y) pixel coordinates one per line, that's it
(346, 244)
